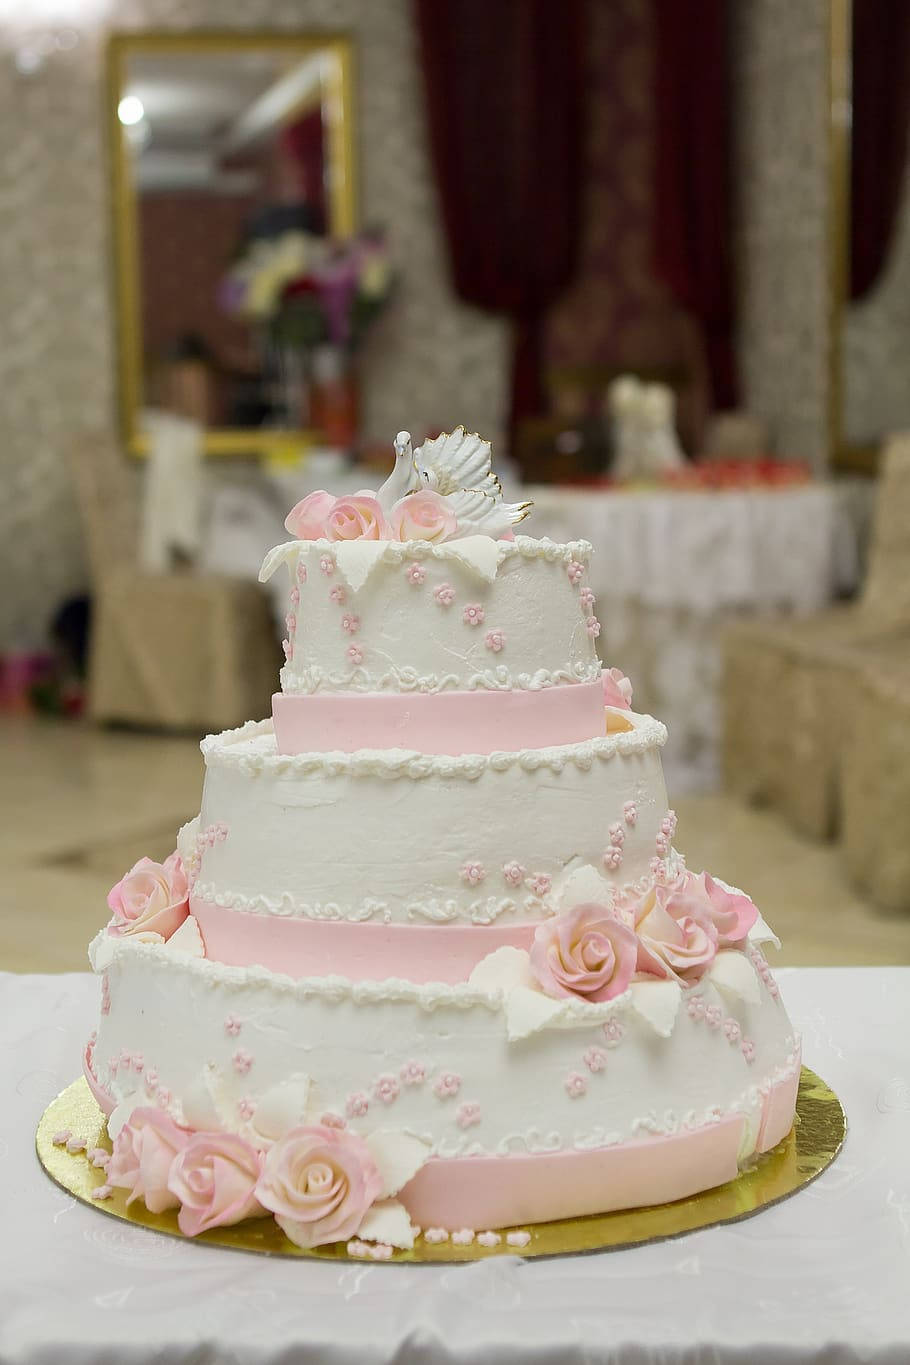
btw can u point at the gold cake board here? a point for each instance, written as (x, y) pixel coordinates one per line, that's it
(812, 1144)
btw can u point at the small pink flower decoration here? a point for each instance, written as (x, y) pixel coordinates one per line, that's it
(355, 654)
(356, 1105)
(732, 1030)
(617, 689)
(473, 614)
(350, 623)
(332, 1121)
(288, 650)
(301, 570)
(214, 1177)
(163, 1098)
(495, 640)
(612, 858)
(232, 1025)
(576, 1085)
(586, 597)
(307, 519)
(295, 596)
(242, 1061)
(468, 1115)
(151, 1078)
(595, 1059)
(713, 1016)
(291, 622)
(662, 844)
(144, 1150)
(473, 873)
(614, 1031)
(413, 1073)
(575, 572)
(151, 898)
(630, 813)
(246, 1108)
(444, 594)
(358, 517)
(415, 574)
(696, 1007)
(539, 884)
(338, 594)
(748, 1050)
(617, 835)
(587, 953)
(319, 1182)
(446, 1085)
(668, 823)
(514, 873)
(327, 565)
(424, 515)
(593, 627)
(386, 1088)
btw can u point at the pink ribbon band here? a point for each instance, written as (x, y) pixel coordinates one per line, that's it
(441, 722)
(359, 951)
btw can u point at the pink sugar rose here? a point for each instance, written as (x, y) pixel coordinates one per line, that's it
(307, 521)
(423, 516)
(144, 1150)
(319, 1182)
(152, 898)
(214, 1179)
(617, 689)
(673, 946)
(731, 914)
(587, 953)
(358, 517)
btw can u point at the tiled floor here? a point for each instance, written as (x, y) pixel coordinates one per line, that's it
(79, 806)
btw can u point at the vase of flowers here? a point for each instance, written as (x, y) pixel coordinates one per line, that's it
(312, 299)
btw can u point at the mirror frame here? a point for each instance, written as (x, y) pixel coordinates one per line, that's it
(342, 197)
(846, 458)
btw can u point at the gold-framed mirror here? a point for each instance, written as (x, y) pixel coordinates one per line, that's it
(869, 237)
(219, 142)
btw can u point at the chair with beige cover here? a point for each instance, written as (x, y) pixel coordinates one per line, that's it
(174, 650)
(786, 684)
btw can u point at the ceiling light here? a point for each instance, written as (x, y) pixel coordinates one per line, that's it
(130, 110)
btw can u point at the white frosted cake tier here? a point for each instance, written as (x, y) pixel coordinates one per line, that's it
(391, 836)
(438, 1062)
(382, 616)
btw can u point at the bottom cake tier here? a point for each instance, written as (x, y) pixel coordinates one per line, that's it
(528, 1109)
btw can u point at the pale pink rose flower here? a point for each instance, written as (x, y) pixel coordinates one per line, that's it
(144, 1150)
(617, 689)
(307, 520)
(587, 953)
(424, 515)
(358, 517)
(319, 1182)
(151, 898)
(704, 899)
(677, 948)
(214, 1177)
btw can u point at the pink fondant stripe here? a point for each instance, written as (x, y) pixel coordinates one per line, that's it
(777, 1112)
(361, 952)
(496, 1192)
(102, 1098)
(439, 723)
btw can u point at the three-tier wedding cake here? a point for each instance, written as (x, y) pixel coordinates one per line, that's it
(428, 959)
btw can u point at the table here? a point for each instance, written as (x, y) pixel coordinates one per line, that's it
(822, 1277)
(672, 568)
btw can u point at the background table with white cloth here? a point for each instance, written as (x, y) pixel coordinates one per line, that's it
(671, 568)
(821, 1277)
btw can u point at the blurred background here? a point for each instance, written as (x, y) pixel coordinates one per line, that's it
(660, 253)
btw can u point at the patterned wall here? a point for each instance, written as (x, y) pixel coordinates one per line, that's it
(430, 360)
(781, 176)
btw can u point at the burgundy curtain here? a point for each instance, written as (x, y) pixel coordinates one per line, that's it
(504, 90)
(692, 252)
(881, 113)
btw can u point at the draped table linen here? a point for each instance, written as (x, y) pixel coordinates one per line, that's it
(821, 1277)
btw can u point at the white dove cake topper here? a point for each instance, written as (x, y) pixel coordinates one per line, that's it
(443, 490)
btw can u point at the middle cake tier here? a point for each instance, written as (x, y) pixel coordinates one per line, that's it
(393, 863)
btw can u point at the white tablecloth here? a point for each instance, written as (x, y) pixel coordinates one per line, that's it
(670, 569)
(822, 1277)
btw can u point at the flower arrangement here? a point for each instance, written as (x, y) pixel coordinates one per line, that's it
(309, 290)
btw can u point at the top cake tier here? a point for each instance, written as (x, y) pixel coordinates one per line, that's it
(465, 616)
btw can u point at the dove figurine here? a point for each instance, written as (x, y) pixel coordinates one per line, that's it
(403, 479)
